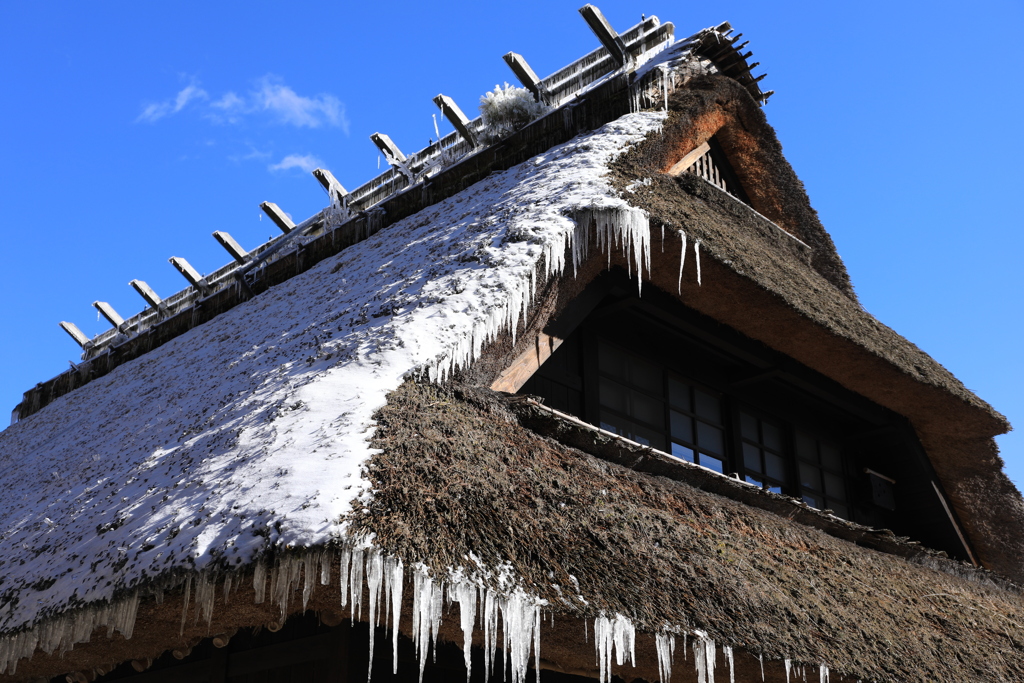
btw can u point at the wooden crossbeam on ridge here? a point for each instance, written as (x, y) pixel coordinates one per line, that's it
(605, 33)
(279, 217)
(147, 293)
(451, 111)
(330, 183)
(525, 74)
(76, 334)
(108, 312)
(231, 246)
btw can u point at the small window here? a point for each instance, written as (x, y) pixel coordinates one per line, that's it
(764, 455)
(697, 432)
(821, 474)
(630, 393)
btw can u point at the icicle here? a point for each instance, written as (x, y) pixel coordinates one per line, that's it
(788, 665)
(374, 577)
(426, 614)
(465, 595)
(356, 581)
(665, 644)
(728, 657)
(307, 579)
(760, 658)
(259, 581)
(662, 238)
(184, 604)
(395, 578)
(682, 261)
(344, 560)
(436, 130)
(696, 255)
(823, 676)
(704, 657)
(613, 635)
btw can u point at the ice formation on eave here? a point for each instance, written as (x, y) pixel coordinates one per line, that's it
(215, 447)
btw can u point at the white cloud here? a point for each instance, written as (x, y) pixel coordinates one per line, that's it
(155, 111)
(306, 162)
(292, 108)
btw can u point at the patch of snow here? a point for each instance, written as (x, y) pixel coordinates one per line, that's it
(250, 433)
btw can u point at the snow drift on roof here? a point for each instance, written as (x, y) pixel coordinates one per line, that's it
(249, 433)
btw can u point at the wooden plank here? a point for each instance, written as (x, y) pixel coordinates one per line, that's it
(76, 334)
(190, 273)
(108, 312)
(389, 148)
(451, 111)
(279, 217)
(605, 33)
(689, 160)
(523, 367)
(231, 246)
(330, 183)
(525, 74)
(147, 293)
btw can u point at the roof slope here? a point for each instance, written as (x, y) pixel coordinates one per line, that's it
(248, 432)
(592, 537)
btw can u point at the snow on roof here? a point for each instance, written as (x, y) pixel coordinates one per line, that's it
(249, 432)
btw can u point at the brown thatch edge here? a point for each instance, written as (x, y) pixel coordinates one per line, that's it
(458, 473)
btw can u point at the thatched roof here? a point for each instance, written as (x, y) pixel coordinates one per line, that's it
(458, 475)
(225, 445)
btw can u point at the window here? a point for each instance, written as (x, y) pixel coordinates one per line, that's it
(661, 374)
(821, 474)
(695, 423)
(764, 453)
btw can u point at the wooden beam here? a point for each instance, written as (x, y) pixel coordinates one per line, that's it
(231, 246)
(605, 33)
(451, 111)
(279, 217)
(389, 148)
(108, 312)
(522, 368)
(190, 274)
(689, 160)
(330, 183)
(525, 74)
(144, 290)
(76, 334)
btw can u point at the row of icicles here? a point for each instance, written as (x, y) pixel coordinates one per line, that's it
(507, 608)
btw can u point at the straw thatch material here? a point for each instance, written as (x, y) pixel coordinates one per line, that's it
(457, 474)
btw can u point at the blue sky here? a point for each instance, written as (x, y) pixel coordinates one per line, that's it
(134, 130)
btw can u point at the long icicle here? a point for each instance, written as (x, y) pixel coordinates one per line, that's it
(696, 254)
(682, 261)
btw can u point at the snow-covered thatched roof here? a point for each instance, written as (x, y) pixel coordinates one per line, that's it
(249, 433)
(246, 447)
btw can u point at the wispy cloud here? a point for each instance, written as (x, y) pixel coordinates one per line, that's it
(154, 111)
(291, 108)
(270, 97)
(306, 162)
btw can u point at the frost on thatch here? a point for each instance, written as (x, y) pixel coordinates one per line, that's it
(504, 111)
